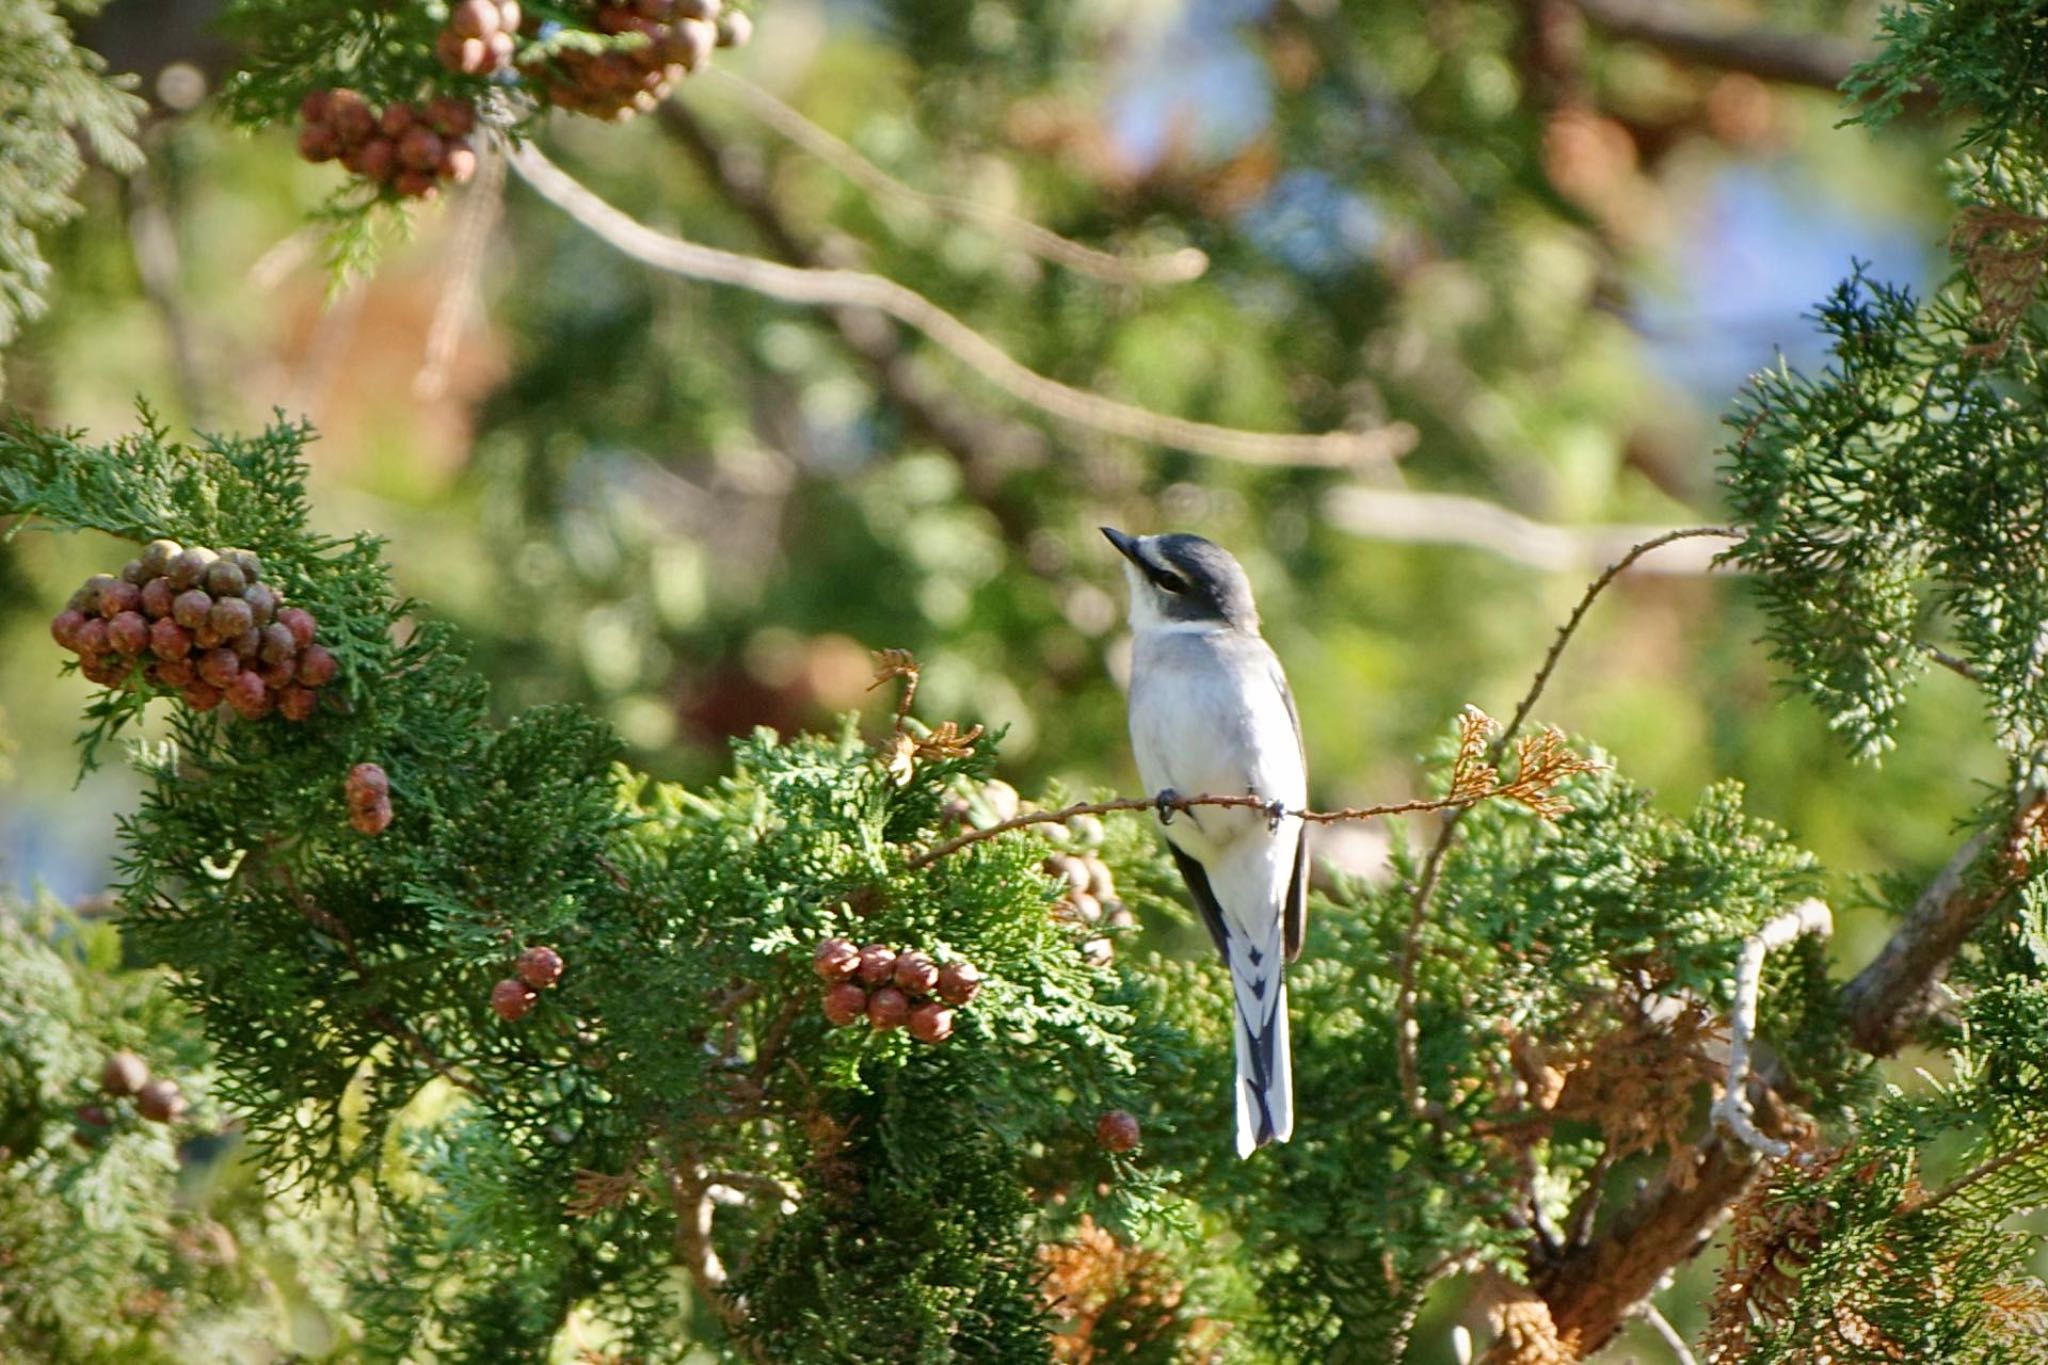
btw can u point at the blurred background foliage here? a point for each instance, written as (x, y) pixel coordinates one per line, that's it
(1550, 248)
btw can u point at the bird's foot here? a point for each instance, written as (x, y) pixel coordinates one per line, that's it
(1276, 811)
(1167, 799)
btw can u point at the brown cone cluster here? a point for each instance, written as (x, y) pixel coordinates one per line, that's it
(201, 624)
(1089, 901)
(535, 970)
(368, 793)
(407, 148)
(126, 1076)
(892, 989)
(619, 83)
(479, 38)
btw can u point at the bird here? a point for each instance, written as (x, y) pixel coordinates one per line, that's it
(1211, 715)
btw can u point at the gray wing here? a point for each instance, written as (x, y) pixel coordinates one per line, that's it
(1295, 912)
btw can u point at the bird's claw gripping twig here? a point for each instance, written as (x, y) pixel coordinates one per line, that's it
(1167, 799)
(1276, 811)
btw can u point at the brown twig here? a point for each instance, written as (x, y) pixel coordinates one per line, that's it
(1185, 803)
(1406, 1036)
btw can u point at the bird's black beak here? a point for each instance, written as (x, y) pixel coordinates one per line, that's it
(1127, 546)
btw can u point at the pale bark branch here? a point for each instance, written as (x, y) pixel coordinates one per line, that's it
(1171, 267)
(1394, 514)
(1732, 1110)
(857, 289)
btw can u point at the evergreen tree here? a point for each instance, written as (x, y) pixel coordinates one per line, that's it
(845, 1056)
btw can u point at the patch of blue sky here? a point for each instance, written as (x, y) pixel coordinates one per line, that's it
(1766, 246)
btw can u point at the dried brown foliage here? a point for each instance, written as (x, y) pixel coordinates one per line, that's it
(1114, 1302)
(1542, 762)
(2005, 253)
(1772, 1238)
(1634, 1073)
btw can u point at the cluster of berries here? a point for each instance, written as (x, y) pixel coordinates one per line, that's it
(368, 793)
(201, 624)
(479, 36)
(624, 81)
(890, 989)
(125, 1076)
(1089, 902)
(407, 148)
(536, 970)
(1117, 1131)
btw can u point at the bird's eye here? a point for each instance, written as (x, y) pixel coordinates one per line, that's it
(1169, 582)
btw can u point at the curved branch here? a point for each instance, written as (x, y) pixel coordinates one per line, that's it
(853, 288)
(1406, 1034)
(1172, 267)
(1396, 514)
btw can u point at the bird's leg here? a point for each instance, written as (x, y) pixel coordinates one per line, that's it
(1167, 799)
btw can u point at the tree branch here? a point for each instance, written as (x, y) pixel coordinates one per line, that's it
(1732, 1109)
(1406, 1034)
(1172, 267)
(1592, 1290)
(857, 289)
(1892, 996)
(985, 446)
(1817, 60)
(1395, 514)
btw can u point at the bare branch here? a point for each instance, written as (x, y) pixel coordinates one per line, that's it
(1673, 1342)
(476, 219)
(1890, 998)
(1394, 514)
(1406, 1035)
(1186, 803)
(857, 289)
(1732, 1109)
(1172, 267)
(1818, 60)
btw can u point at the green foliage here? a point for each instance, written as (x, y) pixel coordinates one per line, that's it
(1891, 504)
(51, 93)
(122, 1239)
(1902, 1244)
(345, 982)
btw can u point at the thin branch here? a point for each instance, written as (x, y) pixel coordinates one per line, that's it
(1732, 1110)
(1393, 514)
(1673, 1342)
(857, 289)
(1890, 997)
(1811, 59)
(1186, 803)
(1981, 1171)
(1172, 267)
(477, 218)
(1962, 668)
(1407, 1034)
(1592, 593)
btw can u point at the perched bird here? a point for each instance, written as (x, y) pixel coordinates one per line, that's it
(1211, 716)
